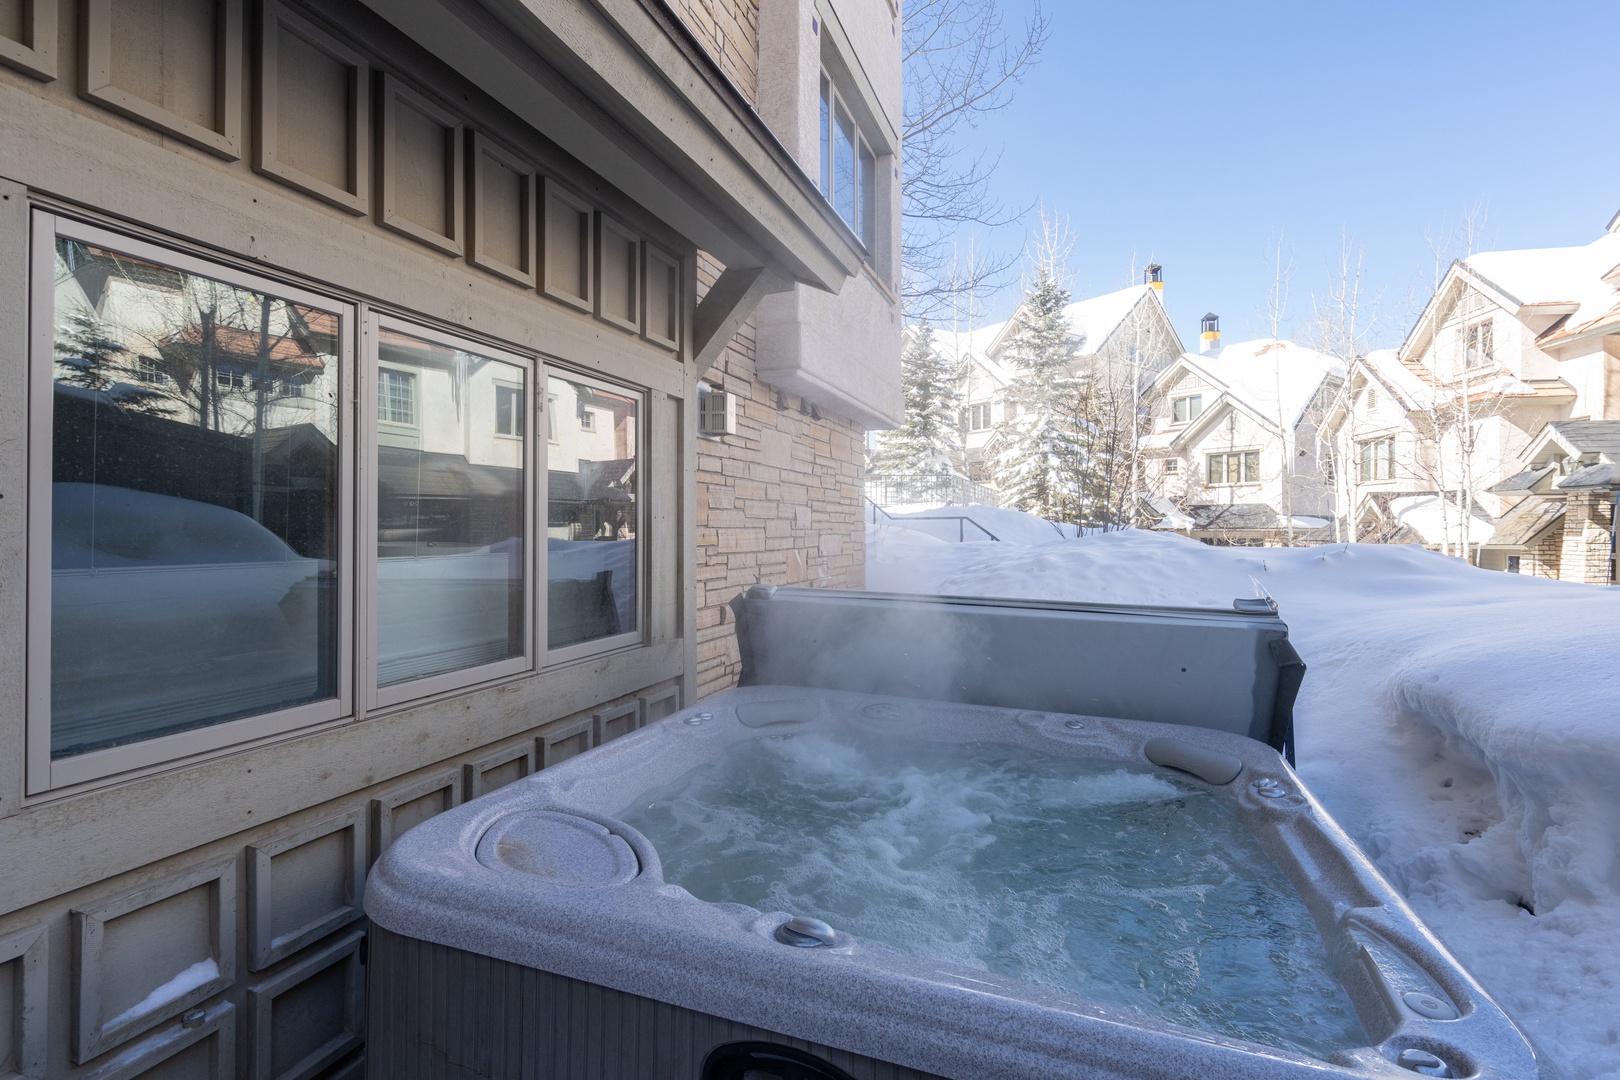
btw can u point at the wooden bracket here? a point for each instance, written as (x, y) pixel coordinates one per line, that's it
(726, 306)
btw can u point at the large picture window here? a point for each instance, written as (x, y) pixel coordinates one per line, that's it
(451, 512)
(1378, 459)
(187, 515)
(1242, 467)
(593, 514)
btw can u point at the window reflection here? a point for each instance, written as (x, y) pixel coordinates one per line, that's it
(450, 496)
(194, 501)
(591, 521)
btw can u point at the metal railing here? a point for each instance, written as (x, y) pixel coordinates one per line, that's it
(902, 489)
(961, 524)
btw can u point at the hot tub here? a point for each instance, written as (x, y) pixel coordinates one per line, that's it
(536, 933)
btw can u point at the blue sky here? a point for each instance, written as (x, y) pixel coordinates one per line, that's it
(1193, 134)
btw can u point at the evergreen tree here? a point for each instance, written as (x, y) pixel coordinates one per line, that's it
(924, 449)
(1043, 456)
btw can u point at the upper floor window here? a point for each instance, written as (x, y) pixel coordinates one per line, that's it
(1187, 409)
(396, 397)
(509, 410)
(1242, 467)
(1378, 459)
(848, 178)
(1480, 344)
(979, 417)
(1172, 467)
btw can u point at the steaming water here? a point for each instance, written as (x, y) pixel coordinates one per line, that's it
(1101, 883)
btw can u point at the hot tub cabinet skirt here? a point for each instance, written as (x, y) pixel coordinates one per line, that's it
(437, 1013)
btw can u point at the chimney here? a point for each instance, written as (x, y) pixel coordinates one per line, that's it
(1154, 276)
(1210, 338)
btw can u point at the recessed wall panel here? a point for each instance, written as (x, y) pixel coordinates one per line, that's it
(304, 885)
(399, 810)
(150, 954)
(568, 247)
(28, 36)
(22, 1003)
(617, 721)
(618, 296)
(202, 1046)
(308, 1016)
(498, 769)
(659, 704)
(421, 168)
(503, 212)
(312, 110)
(566, 741)
(173, 65)
(661, 314)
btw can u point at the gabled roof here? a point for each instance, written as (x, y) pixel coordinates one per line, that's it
(1575, 283)
(1525, 522)
(1272, 381)
(1092, 321)
(1579, 437)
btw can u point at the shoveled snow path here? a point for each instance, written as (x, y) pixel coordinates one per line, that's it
(1463, 725)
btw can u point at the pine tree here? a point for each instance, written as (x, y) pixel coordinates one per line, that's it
(1043, 456)
(924, 449)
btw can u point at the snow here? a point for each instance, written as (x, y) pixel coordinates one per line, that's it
(199, 974)
(1005, 525)
(1460, 723)
(1428, 516)
(1091, 321)
(1572, 275)
(1276, 379)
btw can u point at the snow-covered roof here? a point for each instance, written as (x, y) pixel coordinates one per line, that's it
(1580, 285)
(1275, 380)
(1409, 381)
(1092, 321)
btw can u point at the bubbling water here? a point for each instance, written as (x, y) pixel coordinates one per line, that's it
(1101, 883)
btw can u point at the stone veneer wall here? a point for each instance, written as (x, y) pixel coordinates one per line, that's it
(1585, 542)
(729, 30)
(778, 502)
(1544, 556)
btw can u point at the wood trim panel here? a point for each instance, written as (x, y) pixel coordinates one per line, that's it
(393, 93)
(659, 267)
(92, 1036)
(384, 805)
(261, 1012)
(36, 56)
(356, 198)
(27, 949)
(473, 772)
(551, 285)
(527, 273)
(609, 230)
(607, 717)
(218, 1023)
(265, 949)
(546, 742)
(224, 139)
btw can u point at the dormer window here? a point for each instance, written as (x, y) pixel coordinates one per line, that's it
(848, 177)
(1186, 409)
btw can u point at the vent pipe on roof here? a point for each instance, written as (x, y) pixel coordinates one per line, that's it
(1209, 339)
(1154, 276)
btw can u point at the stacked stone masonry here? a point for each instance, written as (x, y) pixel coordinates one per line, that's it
(1586, 554)
(729, 31)
(778, 502)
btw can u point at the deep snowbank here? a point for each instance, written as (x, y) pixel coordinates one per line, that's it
(1463, 725)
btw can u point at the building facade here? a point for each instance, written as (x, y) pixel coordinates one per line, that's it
(349, 463)
(1435, 434)
(1233, 454)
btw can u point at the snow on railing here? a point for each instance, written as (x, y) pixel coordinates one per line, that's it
(900, 489)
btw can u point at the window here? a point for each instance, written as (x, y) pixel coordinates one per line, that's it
(979, 417)
(587, 420)
(1172, 467)
(593, 486)
(396, 397)
(451, 516)
(509, 411)
(848, 166)
(193, 578)
(148, 370)
(1242, 467)
(1378, 459)
(1480, 346)
(1187, 408)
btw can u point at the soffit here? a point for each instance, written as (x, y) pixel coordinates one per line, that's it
(620, 86)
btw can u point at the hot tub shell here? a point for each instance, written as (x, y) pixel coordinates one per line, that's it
(530, 933)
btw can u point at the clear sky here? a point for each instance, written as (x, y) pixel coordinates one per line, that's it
(1194, 133)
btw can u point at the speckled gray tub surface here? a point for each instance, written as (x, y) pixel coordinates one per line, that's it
(540, 873)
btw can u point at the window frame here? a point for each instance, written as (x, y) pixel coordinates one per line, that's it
(373, 323)
(1367, 455)
(834, 104)
(1226, 457)
(973, 416)
(550, 369)
(1475, 333)
(43, 773)
(1192, 413)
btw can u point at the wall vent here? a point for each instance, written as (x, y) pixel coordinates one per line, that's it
(716, 412)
